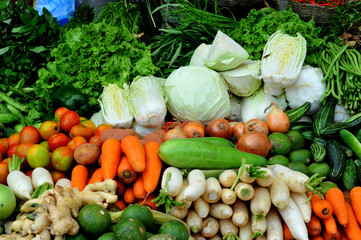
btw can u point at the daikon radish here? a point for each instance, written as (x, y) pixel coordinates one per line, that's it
(228, 196)
(175, 181)
(213, 191)
(227, 178)
(17, 181)
(177, 212)
(240, 215)
(201, 207)
(181, 197)
(39, 176)
(280, 194)
(197, 185)
(303, 205)
(228, 229)
(274, 225)
(245, 232)
(258, 226)
(267, 178)
(260, 203)
(194, 221)
(210, 226)
(244, 191)
(220, 210)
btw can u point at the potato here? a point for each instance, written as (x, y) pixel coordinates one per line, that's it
(117, 133)
(87, 153)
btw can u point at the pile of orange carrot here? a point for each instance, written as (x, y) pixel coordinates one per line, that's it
(134, 166)
(335, 216)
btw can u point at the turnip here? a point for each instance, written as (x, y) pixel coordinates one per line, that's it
(63, 182)
(240, 215)
(17, 181)
(201, 207)
(303, 205)
(244, 191)
(274, 225)
(258, 226)
(267, 178)
(245, 232)
(246, 176)
(292, 216)
(197, 185)
(220, 210)
(198, 236)
(280, 193)
(178, 212)
(260, 203)
(215, 237)
(175, 182)
(227, 178)
(194, 221)
(228, 196)
(210, 226)
(181, 197)
(39, 176)
(228, 229)
(213, 191)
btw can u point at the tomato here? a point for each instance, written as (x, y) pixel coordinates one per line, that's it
(96, 140)
(14, 139)
(38, 156)
(88, 123)
(4, 171)
(68, 120)
(62, 159)
(56, 175)
(5, 141)
(57, 140)
(59, 112)
(101, 128)
(48, 129)
(81, 130)
(3, 149)
(12, 150)
(29, 134)
(22, 149)
(45, 144)
(76, 142)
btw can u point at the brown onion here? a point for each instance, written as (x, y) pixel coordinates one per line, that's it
(175, 132)
(219, 127)
(277, 120)
(256, 125)
(194, 129)
(238, 130)
(254, 142)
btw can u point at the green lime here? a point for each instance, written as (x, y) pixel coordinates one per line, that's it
(300, 167)
(94, 219)
(176, 229)
(322, 168)
(107, 236)
(78, 236)
(281, 144)
(140, 212)
(297, 140)
(129, 228)
(300, 155)
(7, 202)
(162, 237)
(278, 159)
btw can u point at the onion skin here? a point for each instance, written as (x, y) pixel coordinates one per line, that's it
(238, 130)
(277, 120)
(219, 127)
(174, 133)
(254, 142)
(256, 125)
(194, 129)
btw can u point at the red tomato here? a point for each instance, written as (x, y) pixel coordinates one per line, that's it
(101, 128)
(82, 131)
(59, 112)
(12, 150)
(56, 175)
(14, 139)
(48, 129)
(62, 159)
(68, 120)
(4, 171)
(96, 140)
(3, 149)
(57, 140)
(29, 134)
(76, 142)
(88, 123)
(22, 149)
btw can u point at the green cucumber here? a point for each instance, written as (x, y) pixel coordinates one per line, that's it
(324, 116)
(8, 118)
(351, 141)
(190, 153)
(301, 126)
(318, 151)
(217, 140)
(297, 113)
(320, 140)
(333, 129)
(337, 159)
(358, 134)
(358, 168)
(308, 135)
(3, 108)
(349, 177)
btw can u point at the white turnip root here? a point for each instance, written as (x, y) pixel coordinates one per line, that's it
(220, 210)
(260, 203)
(196, 186)
(177, 212)
(175, 181)
(194, 221)
(210, 226)
(280, 194)
(213, 191)
(228, 229)
(215, 237)
(245, 176)
(17, 181)
(267, 178)
(39, 176)
(274, 225)
(201, 207)
(258, 226)
(303, 205)
(181, 197)
(228, 196)
(244, 191)
(63, 182)
(198, 236)
(240, 213)
(245, 232)
(227, 178)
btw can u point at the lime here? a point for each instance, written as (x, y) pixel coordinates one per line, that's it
(176, 229)
(7, 202)
(300, 167)
(107, 236)
(162, 237)
(78, 236)
(300, 155)
(278, 159)
(281, 144)
(140, 212)
(129, 228)
(38, 156)
(297, 140)
(94, 219)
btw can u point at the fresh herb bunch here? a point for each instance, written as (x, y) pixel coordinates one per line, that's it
(84, 14)
(185, 28)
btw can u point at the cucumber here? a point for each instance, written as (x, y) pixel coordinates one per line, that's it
(318, 151)
(8, 118)
(217, 140)
(320, 140)
(308, 135)
(190, 153)
(324, 116)
(337, 159)
(351, 141)
(358, 168)
(333, 129)
(358, 134)
(349, 177)
(297, 113)
(301, 126)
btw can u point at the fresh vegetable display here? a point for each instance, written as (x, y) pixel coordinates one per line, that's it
(210, 125)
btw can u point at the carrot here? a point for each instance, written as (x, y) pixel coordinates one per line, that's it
(120, 204)
(153, 166)
(129, 196)
(319, 237)
(120, 187)
(133, 148)
(148, 201)
(111, 152)
(125, 172)
(337, 199)
(79, 176)
(314, 226)
(322, 208)
(96, 176)
(343, 234)
(335, 236)
(287, 235)
(352, 229)
(330, 225)
(138, 187)
(355, 199)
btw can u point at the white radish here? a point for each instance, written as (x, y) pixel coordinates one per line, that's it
(280, 194)
(20, 184)
(227, 228)
(181, 197)
(194, 221)
(244, 191)
(201, 207)
(240, 215)
(228, 196)
(63, 182)
(292, 216)
(295, 180)
(245, 176)
(39, 176)
(177, 212)
(213, 190)
(260, 204)
(258, 226)
(175, 181)
(274, 225)
(198, 236)
(303, 205)
(197, 185)
(220, 210)
(263, 237)
(227, 178)
(215, 237)
(245, 232)
(210, 226)
(267, 178)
